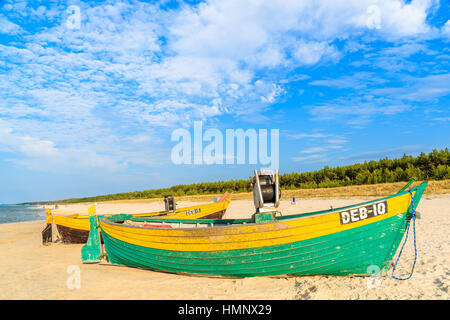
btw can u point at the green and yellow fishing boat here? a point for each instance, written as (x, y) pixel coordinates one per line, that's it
(351, 240)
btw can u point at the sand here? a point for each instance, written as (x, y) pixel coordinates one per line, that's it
(29, 270)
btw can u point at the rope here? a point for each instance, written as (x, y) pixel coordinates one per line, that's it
(406, 239)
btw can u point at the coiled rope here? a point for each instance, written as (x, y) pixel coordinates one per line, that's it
(406, 239)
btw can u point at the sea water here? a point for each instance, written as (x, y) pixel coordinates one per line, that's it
(17, 213)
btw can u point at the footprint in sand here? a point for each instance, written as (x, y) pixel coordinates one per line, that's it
(441, 286)
(304, 290)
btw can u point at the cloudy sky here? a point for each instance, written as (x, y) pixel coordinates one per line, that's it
(88, 106)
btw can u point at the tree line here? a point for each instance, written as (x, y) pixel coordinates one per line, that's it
(432, 166)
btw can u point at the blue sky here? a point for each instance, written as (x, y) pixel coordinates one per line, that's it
(90, 110)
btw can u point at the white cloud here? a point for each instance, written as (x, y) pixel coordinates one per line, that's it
(405, 50)
(355, 112)
(398, 19)
(308, 53)
(446, 29)
(29, 146)
(328, 141)
(312, 150)
(135, 70)
(358, 80)
(419, 89)
(337, 142)
(322, 146)
(377, 96)
(286, 34)
(44, 155)
(307, 135)
(443, 119)
(399, 151)
(8, 27)
(310, 157)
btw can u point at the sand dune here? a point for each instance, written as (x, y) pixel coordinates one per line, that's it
(29, 270)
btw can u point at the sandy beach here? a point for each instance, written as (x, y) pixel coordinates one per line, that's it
(29, 270)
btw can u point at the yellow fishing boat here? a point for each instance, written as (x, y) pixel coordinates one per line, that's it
(75, 228)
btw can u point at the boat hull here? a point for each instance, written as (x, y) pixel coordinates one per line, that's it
(72, 235)
(355, 251)
(316, 243)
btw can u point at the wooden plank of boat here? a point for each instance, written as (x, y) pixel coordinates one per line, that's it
(47, 232)
(341, 241)
(75, 228)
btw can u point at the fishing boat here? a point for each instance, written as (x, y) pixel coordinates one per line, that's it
(351, 240)
(75, 228)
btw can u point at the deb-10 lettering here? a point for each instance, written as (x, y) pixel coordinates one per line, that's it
(362, 213)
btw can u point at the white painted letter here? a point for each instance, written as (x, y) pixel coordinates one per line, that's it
(273, 160)
(74, 19)
(198, 142)
(216, 146)
(181, 153)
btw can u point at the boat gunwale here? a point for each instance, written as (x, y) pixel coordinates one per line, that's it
(227, 223)
(155, 213)
(151, 215)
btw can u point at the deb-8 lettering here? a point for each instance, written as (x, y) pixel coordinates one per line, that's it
(193, 211)
(362, 213)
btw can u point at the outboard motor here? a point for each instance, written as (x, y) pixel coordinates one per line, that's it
(169, 202)
(266, 191)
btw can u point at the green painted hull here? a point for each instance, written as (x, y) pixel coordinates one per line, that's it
(344, 253)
